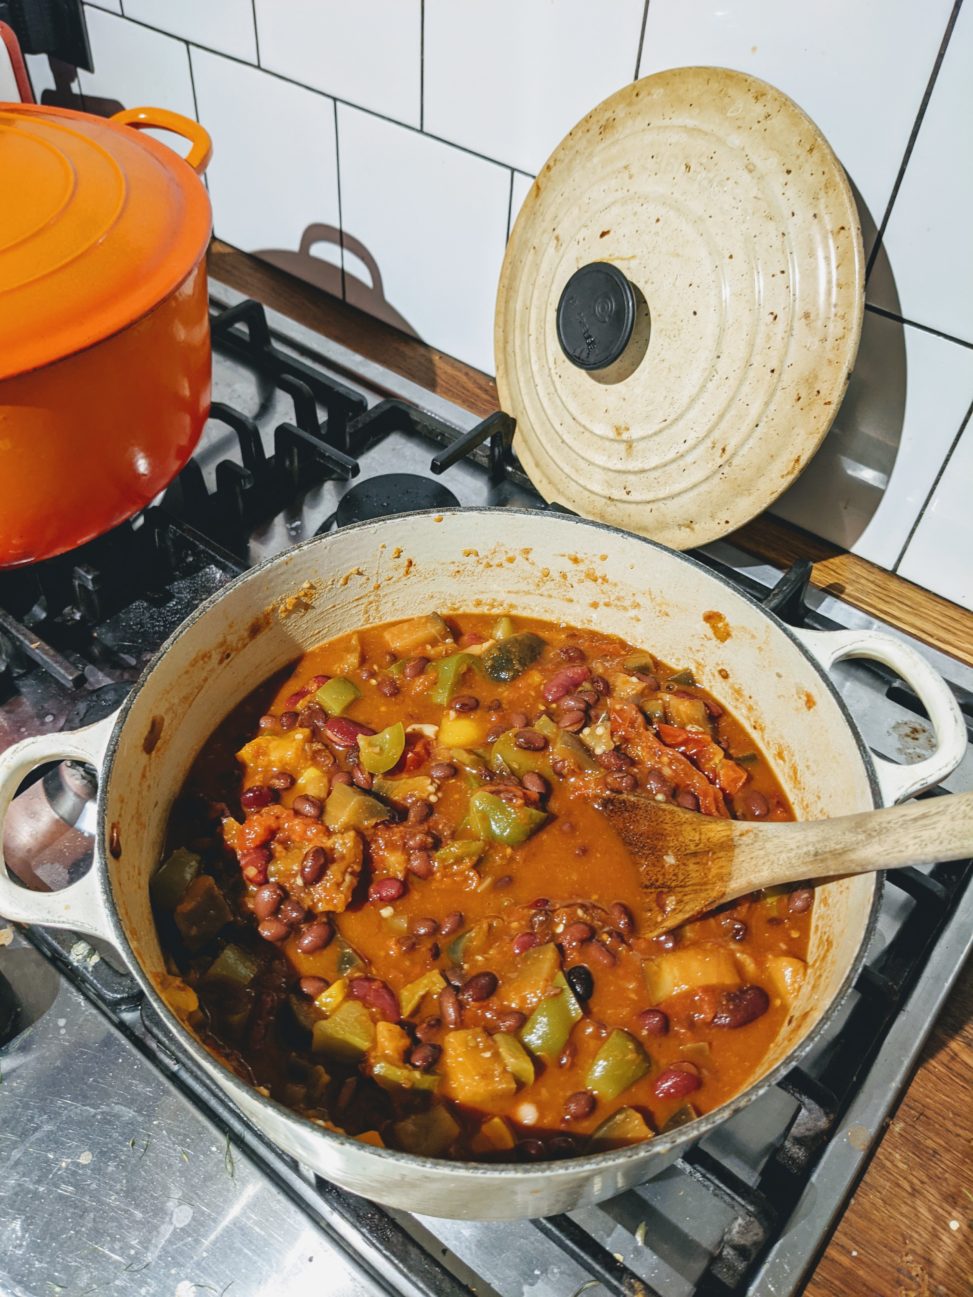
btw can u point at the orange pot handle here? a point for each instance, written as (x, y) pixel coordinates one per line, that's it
(163, 119)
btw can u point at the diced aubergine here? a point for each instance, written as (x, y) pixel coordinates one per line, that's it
(418, 632)
(348, 807)
(624, 1127)
(170, 882)
(509, 658)
(201, 913)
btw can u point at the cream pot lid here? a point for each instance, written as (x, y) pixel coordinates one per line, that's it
(680, 306)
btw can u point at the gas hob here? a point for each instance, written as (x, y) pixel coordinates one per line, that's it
(123, 1171)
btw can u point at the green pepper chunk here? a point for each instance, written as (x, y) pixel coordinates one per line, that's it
(449, 671)
(380, 752)
(394, 1076)
(506, 755)
(455, 853)
(681, 1117)
(168, 885)
(619, 1063)
(515, 1058)
(348, 959)
(509, 658)
(347, 1034)
(348, 807)
(624, 1127)
(683, 677)
(411, 996)
(546, 1031)
(498, 821)
(337, 695)
(639, 661)
(427, 1133)
(233, 965)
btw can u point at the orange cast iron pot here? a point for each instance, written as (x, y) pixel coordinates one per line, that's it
(104, 335)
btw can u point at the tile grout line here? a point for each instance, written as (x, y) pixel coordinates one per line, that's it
(510, 203)
(256, 30)
(638, 56)
(913, 136)
(914, 324)
(192, 79)
(932, 490)
(422, 64)
(324, 94)
(341, 219)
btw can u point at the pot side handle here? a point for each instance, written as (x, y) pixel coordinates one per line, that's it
(81, 907)
(164, 119)
(897, 782)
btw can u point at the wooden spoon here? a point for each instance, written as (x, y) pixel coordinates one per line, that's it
(692, 863)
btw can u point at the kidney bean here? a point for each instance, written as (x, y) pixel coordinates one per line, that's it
(535, 783)
(653, 1022)
(667, 940)
(621, 783)
(567, 1055)
(451, 923)
(313, 866)
(420, 864)
(425, 927)
(656, 782)
(377, 995)
(273, 929)
(418, 840)
(344, 733)
(255, 858)
(293, 699)
(613, 760)
(575, 933)
(753, 804)
(676, 1082)
(560, 766)
(518, 720)
(741, 1006)
(738, 930)
(267, 899)
(267, 724)
(342, 777)
(450, 1008)
(281, 780)
(310, 807)
(531, 1150)
(425, 1056)
(479, 987)
(621, 917)
(427, 1028)
(647, 678)
(571, 653)
(419, 811)
(579, 701)
(579, 1105)
(404, 944)
(387, 890)
(562, 1146)
(465, 703)
(800, 900)
(256, 797)
(315, 717)
(601, 954)
(572, 721)
(387, 686)
(454, 976)
(562, 682)
(316, 936)
(524, 941)
(441, 771)
(581, 981)
(361, 777)
(313, 986)
(530, 740)
(509, 1020)
(494, 732)
(291, 912)
(687, 799)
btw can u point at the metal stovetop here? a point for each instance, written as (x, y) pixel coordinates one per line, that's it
(123, 1172)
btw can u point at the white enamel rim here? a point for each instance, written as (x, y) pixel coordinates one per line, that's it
(88, 906)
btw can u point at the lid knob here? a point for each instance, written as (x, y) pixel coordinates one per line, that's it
(596, 315)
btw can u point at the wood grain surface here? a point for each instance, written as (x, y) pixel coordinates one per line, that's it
(908, 1231)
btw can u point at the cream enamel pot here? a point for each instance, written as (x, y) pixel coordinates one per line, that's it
(498, 560)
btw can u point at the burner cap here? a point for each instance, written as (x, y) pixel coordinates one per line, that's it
(391, 493)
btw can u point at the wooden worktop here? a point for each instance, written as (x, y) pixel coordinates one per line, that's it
(908, 1231)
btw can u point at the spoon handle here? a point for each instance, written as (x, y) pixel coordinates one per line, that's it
(916, 833)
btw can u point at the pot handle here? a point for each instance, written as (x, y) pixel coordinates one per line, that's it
(164, 119)
(81, 907)
(897, 782)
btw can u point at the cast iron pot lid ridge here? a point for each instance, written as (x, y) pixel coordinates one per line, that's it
(680, 306)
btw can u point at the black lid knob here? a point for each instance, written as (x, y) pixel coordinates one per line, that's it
(595, 316)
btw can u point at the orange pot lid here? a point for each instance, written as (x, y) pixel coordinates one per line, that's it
(98, 225)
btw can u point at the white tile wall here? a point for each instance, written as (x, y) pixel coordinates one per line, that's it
(929, 238)
(508, 79)
(445, 110)
(224, 25)
(857, 67)
(366, 52)
(270, 138)
(940, 556)
(435, 221)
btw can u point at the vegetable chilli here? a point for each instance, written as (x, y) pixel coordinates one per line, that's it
(390, 900)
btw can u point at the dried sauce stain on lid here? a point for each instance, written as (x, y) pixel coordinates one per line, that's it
(719, 626)
(687, 184)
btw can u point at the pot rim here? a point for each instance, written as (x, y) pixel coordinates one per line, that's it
(693, 1131)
